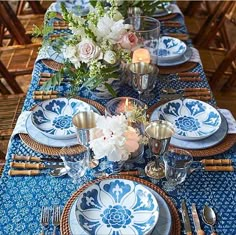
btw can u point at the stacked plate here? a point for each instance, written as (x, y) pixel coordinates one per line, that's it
(172, 51)
(50, 122)
(117, 206)
(197, 124)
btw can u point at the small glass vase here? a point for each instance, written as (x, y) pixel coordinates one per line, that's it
(101, 92)
(125, 105)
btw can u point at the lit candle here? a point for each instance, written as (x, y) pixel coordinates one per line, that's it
(141, 55)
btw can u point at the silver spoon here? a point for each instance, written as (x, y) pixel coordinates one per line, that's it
(209, 217)
(57, 172)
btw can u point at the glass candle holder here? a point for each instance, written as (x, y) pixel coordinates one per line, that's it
(147, 29)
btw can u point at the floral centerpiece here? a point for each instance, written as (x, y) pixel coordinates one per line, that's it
(114, 138)
(97, 44)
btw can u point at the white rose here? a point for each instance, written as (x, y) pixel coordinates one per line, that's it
(110, 57)
(88, 51)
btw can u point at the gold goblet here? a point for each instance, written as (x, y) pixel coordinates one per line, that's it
(159, 134)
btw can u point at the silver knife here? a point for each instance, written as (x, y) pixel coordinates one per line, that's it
(185, 218)
(39, 166)
(35, 159)
(196, 221)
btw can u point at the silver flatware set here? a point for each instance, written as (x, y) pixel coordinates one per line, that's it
(208, 217)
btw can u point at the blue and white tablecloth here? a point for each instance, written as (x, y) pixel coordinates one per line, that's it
(22, 197)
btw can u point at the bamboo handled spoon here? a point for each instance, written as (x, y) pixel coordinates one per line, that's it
(209, 217)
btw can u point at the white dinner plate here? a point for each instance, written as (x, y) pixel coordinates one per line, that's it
(211, 141)
(163, 225)
(39, 137)
(192, 119)
(182, 59)
(119, 206)
(170, 49)
(53, 117)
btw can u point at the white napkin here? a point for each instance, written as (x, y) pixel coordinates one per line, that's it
(20, 126)
(176, 9)
(47, 52)
(230, 120)
(195, 56)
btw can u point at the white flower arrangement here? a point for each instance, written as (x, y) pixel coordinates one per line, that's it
(98, 42)
(114, 138)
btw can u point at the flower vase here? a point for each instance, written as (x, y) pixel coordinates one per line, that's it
(101, 92)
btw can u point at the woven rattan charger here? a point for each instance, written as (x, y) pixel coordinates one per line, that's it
(176, 225)
(41, 148)
(221, 147)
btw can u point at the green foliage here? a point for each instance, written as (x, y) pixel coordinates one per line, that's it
(147, 7)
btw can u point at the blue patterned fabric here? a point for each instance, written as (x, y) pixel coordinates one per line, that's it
(22, 197)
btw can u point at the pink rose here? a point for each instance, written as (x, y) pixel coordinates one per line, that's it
(129, 40)
(88, 51)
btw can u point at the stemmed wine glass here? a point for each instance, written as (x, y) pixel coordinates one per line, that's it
(84, 121)
(177, 166)
(143, 78)
(159, 134)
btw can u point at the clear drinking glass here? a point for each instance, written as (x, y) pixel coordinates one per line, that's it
(75, 164)
(177, 165)
(147, 29)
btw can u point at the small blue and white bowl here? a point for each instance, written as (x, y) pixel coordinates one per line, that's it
(170, 48)
(54, 117)
(117, 206)
(192, 119)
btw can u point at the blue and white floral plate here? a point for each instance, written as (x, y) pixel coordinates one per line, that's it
(54, 117)
(39, 137)
(170, 49)
(192, 119)
(117, 206)
(205, 143)
(182, 59)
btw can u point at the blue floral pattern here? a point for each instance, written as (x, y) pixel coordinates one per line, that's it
(54, 117)
(22, 197)
(117, 216)
(117, 207)
(170, 48)
(192, 119)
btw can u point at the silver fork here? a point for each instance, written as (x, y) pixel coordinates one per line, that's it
(56, 215)
(45, 215)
